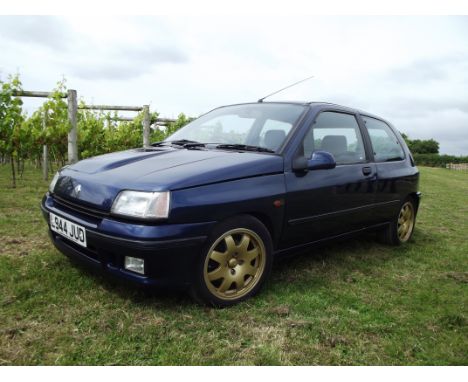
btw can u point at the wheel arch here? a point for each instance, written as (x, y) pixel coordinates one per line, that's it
(416, 196)
(267, 222)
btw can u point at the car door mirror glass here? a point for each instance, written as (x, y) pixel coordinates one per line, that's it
(321, 160)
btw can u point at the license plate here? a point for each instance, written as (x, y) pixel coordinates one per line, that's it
(66, 228)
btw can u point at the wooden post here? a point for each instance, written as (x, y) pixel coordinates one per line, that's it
(13, 175)
(146, 126)
(72, 135)
(45, 163)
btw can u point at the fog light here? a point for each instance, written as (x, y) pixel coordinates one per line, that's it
(135, 264)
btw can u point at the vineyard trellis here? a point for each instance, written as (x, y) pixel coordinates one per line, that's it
(73, 107)
(64, 129)
(71, 97)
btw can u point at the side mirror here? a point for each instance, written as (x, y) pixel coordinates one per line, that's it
(321, 160)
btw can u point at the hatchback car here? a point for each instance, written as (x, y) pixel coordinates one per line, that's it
(214, 204)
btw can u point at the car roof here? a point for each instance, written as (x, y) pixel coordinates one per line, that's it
(316, 104)
(325, 105)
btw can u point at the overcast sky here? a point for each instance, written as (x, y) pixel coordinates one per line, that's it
(411, 71)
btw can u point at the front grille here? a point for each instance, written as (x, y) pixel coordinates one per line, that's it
(66, 205)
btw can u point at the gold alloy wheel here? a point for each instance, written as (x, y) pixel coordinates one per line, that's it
(235, 263)
(405, 222)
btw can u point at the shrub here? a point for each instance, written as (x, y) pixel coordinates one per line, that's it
(437, 160)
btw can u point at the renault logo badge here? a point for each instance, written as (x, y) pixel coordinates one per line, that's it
(77, 190)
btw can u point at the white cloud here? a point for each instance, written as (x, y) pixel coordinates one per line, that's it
(412, 71)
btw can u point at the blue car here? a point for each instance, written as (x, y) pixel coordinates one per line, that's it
(213, 205)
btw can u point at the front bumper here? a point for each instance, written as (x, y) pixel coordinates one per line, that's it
(169, 250)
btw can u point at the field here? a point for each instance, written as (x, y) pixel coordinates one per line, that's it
(349, 303)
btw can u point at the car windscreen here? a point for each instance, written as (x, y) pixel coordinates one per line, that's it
(263, 125)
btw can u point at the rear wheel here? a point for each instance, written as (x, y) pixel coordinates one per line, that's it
(235, 263)
(401, 228)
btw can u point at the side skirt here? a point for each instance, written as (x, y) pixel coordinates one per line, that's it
(286, 251)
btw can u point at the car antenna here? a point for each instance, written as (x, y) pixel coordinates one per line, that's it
(287, 87)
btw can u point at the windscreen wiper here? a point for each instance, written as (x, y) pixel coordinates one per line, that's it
(180, 142)
(236, 146)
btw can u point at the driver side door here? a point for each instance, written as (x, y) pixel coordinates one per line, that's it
(326, 203)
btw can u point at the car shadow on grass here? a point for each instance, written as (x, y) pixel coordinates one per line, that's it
(332, 261)
(164, 297)
(336, 260)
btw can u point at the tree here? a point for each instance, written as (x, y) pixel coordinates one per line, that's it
(421, 146)
(429, 146)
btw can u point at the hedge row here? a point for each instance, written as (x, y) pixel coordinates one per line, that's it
(437, 160)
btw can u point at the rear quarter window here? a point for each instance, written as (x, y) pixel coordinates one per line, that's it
(385, 144)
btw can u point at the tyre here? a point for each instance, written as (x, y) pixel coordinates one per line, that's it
(401, 228)
(235, 262)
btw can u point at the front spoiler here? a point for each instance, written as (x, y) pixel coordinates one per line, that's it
(168, 262)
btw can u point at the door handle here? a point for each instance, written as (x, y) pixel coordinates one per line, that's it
(367, 170)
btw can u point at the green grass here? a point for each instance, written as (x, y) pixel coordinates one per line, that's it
(356, 302)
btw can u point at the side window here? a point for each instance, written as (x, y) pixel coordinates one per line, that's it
(384, 141)
(337, 133)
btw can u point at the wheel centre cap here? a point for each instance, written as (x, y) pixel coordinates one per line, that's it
(232, 263)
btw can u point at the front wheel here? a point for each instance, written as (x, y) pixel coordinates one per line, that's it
(401, 228)
(235, 263)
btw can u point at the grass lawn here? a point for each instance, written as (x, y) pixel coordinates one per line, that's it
(356, 302)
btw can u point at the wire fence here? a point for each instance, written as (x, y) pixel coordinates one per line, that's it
(457, 166)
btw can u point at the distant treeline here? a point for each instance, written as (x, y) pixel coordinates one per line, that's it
(426, 153)
(437, 160)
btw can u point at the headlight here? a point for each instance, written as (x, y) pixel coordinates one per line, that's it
(54, 182)
(147, 205)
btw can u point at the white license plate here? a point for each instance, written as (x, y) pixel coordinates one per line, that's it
(66, 228)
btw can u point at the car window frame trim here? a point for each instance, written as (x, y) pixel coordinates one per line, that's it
(348, 112)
